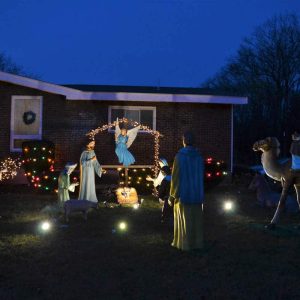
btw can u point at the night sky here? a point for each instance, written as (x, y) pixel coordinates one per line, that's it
(132, 42)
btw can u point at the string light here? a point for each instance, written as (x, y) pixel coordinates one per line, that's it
(157, 135)
(9, 168)
(38, 163)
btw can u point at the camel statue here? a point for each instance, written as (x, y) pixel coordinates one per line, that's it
(270, 148)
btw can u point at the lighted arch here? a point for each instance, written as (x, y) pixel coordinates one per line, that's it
(155, 133)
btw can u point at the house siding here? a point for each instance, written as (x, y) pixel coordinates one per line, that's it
(66, 122)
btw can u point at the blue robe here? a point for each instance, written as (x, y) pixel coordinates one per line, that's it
(124, 156)
(187, 176)
(88, 168)
(187, 190)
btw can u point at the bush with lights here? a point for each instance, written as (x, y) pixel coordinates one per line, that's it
(214, 172)
(9, 168)
(38, 163)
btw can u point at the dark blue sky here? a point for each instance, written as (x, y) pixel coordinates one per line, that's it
(132, 42)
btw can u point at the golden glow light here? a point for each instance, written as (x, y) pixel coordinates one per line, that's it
(228, 205)
(45, 226)
(136, 206)
(122, 226)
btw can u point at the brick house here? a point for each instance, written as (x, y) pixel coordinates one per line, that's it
(65, 113)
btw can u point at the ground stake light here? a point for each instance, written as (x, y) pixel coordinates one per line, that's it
(45, 226)
(136, 206)
(228, 205)
(122, 226)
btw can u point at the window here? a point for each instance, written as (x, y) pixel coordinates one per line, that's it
(144, 115)
(26, 120)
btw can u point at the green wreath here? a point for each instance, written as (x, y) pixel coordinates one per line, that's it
(29, 117)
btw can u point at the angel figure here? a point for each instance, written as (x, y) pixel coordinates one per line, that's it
(124, 139)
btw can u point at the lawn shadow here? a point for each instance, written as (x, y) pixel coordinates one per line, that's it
(284, 231)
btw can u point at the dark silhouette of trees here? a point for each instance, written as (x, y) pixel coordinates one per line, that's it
(9, 66)
(266, 68)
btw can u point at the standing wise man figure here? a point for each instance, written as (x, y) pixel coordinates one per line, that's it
(89, 165)
(187, 193)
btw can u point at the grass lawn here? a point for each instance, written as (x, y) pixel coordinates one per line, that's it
(87, 260)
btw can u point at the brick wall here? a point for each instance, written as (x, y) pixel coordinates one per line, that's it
(66, 123)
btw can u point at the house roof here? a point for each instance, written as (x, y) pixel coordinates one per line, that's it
(125, 93)
(144, 89)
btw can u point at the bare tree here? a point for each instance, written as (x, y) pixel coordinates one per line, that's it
(266, 68)
(7, 65)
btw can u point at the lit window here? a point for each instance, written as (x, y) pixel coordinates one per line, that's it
(144, 115)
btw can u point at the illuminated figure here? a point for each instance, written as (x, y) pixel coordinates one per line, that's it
(187, 190)
(64, 185)
(287, 172)
(157, 181)
(89, 165)
(124, 139)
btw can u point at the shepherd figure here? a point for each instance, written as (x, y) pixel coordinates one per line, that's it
(64, 184)
(89, 165)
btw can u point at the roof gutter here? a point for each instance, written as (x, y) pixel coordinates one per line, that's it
(75, 95)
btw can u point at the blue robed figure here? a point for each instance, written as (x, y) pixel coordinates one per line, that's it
(124, 139)
(187, 190)
(89, 165)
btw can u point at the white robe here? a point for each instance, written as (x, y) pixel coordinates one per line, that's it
(88, 168)
(157, 181)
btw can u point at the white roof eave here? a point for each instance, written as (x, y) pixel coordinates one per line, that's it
(156, 97)
(74, 94)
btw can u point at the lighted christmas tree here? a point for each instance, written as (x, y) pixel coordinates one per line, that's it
(38, 162)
